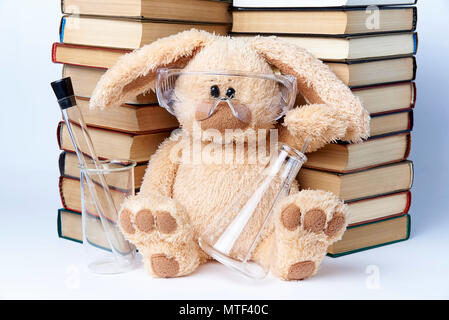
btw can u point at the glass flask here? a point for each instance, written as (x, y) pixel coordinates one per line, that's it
(233, 236)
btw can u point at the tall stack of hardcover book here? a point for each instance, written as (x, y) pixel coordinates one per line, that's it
(93, 34)
(371, 49)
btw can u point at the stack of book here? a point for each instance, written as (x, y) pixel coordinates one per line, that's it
(93, 34)
(371, 49)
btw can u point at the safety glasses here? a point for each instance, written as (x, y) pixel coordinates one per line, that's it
(206, 92)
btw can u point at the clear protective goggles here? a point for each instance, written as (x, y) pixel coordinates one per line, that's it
(206, 91)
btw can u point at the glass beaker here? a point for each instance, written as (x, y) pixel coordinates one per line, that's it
(100, 235)
(235, 233)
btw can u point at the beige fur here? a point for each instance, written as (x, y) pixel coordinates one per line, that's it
(193, 192)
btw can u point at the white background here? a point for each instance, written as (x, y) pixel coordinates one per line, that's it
(35, 263)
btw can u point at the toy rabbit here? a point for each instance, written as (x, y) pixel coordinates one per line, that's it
(179, 198)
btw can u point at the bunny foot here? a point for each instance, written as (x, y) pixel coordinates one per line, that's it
(306, 224)
(160, 229)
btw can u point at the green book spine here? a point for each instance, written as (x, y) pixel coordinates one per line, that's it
(59, 224)
(336, 255)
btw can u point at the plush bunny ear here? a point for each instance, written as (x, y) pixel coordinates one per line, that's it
(135, 73)
(317, 84)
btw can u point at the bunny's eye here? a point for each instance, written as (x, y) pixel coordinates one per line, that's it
(215, 91)
(230, 93)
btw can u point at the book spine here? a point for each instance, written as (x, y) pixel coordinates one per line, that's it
(61, 163)
(415, 19)
(61, 30)
(415, 68)
(409, 147)
(59, 223)
(53, 52)
(409, 202)
(412, 174)
(59, 134)
(416, 42)
(411, 121)
(61, 193)
(414, 95)
(409, 227)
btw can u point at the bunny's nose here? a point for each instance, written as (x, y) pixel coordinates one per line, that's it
(223, 118)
